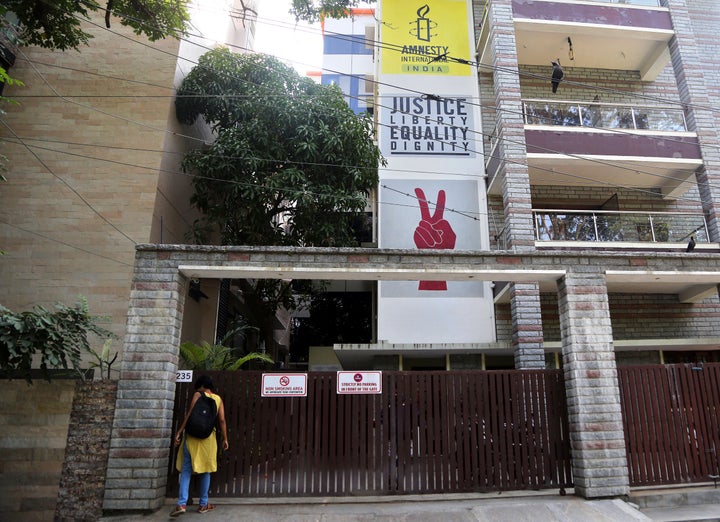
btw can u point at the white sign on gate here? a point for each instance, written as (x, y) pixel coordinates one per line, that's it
(284, 385)
(359, 382)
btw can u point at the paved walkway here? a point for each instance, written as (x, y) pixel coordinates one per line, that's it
(515, 507)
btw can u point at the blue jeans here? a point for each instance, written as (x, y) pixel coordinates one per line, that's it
(185, 481)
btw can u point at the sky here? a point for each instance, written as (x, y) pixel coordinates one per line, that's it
(277, 33)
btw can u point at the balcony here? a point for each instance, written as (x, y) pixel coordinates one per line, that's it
(552, 225)
(581, 143)
(627, 35)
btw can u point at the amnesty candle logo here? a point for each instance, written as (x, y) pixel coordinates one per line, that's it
(437, 31)
(423, 25)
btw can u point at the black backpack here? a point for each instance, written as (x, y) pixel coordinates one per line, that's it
(201, 422)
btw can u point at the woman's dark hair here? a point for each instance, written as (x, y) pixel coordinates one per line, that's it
(205, 382)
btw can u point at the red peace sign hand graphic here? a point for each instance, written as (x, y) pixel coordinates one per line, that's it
(433, 232)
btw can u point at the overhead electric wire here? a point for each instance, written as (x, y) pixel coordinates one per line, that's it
(579, 157)
(472, 131)
(199, 176)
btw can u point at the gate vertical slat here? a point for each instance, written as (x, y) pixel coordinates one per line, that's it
(318, 428)
(404, 449)
(523, 429)
(448, 412)
(352, 469)
(283, 464)
(707, 436)
(387, 445)
(321, 430)
(364, 425)
(330, 403)
(226, 462)
(422, 447)
(494, 412)
(380, 442)
(466, 476)
(435, 431)
(454, 402)
(672, 457)
(461, 429)
(682, 422)
(271, 455)
(649, 439)
(312, 458)
(712, 392)
(485, 462)
(659, 410)
(689, 405)
(702, 429)
(550, 456)
(472, 433)
(302, 445)
(508, 433)
(335, 429)
(534, 445)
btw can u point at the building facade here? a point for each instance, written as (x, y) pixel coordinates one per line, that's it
(617, 156)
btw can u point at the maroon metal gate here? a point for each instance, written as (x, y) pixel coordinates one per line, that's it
(428, 432)
(671, 417)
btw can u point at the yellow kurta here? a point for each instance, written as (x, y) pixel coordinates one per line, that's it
(203, 452)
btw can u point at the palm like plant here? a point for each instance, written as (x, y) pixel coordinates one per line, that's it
(206, 356)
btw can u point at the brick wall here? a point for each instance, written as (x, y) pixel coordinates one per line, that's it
(35, 420)
(77, 202)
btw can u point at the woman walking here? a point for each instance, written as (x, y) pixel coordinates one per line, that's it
(198, 455)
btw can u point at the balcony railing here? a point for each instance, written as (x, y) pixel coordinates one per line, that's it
(614, 226)
(647, 3)
(604, 115)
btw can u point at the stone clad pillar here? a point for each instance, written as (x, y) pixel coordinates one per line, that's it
(690, 70)
(527, 336)
(593, 395)
(518, 232)
(141, 433)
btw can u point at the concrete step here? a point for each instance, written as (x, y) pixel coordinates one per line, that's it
(666, 497)
(694, 513)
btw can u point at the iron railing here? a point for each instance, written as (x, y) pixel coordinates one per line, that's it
(614, 226)
(604, 115)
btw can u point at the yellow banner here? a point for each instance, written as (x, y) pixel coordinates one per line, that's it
(425, 37)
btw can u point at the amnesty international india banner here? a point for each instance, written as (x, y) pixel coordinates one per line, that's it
(425, 37)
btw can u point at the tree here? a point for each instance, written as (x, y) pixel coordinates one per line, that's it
(314, 11)
(57, 24)
(59, 338)
(291, 164)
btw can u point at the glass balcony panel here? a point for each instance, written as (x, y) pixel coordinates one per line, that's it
(648, 3)
(563, 225)
(679, 228)
(664, 119)
(541, 112)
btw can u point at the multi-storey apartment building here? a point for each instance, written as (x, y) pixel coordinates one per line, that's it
(621, 157)
(617, 156)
